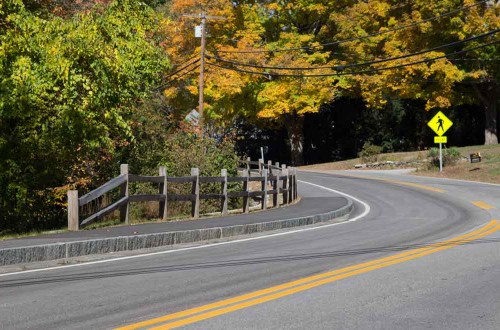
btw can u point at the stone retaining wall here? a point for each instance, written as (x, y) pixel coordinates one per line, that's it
(126, 243)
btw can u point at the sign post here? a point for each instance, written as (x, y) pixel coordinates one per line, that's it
(440, 124)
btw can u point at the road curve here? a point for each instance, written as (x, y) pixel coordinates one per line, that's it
(385, 270)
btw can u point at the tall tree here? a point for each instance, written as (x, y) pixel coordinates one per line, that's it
(378, 50)
(68, 86)
(485, 72)
(267, 26)
(425, 26)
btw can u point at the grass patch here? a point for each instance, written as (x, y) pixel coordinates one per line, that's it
(488, 170)
(10, 235)
(495, 171)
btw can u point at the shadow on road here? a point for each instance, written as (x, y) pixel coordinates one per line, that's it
(230, 263)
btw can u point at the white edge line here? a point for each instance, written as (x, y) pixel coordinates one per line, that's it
(362, 215)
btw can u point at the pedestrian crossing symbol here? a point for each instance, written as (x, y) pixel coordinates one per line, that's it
(440, 123)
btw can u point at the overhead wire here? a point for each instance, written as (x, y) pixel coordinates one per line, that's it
(375, 70)
(175, 76)
(339, 67)
(188, 60)
(182, 68)
(255, 51)
(367, 63)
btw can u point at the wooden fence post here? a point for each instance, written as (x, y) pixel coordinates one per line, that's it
(163, 206)
(284, 172)
(195, 205)
(223, 173)
(290, 184)
(269, 165)
(73, 211)
(246, 188)
(124, 193)
(275, 188)
(261, 165)
(248, 164)
(264, 189)
(295, 193)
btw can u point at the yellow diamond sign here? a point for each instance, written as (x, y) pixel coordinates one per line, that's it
(440, 123)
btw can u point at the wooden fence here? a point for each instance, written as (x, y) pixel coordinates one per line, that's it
(282, 180)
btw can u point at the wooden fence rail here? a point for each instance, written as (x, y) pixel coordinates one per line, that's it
(282, 180)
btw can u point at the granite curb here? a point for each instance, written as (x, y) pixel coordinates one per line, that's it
(27, 254)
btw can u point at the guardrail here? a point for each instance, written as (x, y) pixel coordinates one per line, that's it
(282, 180)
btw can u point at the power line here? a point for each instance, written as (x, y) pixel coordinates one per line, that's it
(174, 79)
(355, 38)
(182, 68)
(346, 66)
(188, 60)
(400, 66)
(163, 85)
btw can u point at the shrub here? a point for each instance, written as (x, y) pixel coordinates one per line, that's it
(369, 153)
(454, 153)
(181, 151)
(433, 152)
(450, 156)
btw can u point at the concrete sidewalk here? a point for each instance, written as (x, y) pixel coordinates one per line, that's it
(309, 210)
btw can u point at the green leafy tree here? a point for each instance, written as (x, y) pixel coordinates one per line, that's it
(67, 95)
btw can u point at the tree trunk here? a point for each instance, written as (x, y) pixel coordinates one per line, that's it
(490, 132)
(295, 129)
(488, 95)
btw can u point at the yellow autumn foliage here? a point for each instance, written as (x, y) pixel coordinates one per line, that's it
(368, 26)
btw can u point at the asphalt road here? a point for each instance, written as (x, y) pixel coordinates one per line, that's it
(383, 270)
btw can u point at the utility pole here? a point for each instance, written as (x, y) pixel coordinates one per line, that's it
(203, 16)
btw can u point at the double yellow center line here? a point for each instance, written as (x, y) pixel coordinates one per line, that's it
(414, 185)
(258, 297)
(483, 205)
